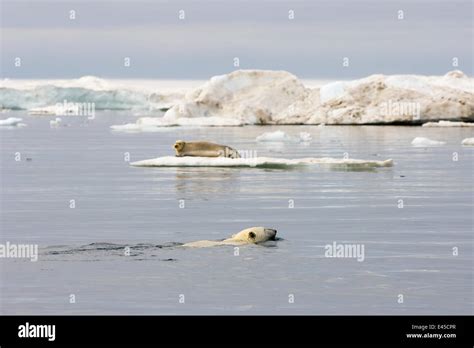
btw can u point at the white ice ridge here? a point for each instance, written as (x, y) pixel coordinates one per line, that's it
(280, 136)
(468, 142)
(278, 97)
(448, 124)
(11, 121)
(421, 141)
(258, 162)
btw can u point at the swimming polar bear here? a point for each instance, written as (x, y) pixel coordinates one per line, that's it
(252, 235)
(204, 149)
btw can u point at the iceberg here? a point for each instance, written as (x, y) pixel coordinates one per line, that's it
(41, 97)
(468, 142)
(420, 141)
(258, 162)
(11, 121)
(258, 97)
(262, 97)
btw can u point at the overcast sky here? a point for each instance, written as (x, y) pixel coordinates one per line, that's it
(213, 33)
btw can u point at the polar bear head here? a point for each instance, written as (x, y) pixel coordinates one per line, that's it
(255, 235)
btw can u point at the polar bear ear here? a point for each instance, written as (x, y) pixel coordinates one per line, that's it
(252, 235)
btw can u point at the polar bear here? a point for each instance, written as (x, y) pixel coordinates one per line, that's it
(203, 149)
(252, 235)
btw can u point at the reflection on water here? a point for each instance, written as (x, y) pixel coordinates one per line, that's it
(194, 181)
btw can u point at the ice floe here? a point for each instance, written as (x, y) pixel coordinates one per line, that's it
(280, 136)
(55, 123)
(11, 121)
(468, 142)
(258, 162)
(150, 124)
(134, 127)
(421, 141)
(448, 124)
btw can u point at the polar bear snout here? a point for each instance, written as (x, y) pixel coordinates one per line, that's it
(259, 234)
(270, 233)
(254, 235)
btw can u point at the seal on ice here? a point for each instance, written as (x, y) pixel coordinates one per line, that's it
(204, 149)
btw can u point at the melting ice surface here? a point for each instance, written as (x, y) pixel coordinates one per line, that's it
(408, 250)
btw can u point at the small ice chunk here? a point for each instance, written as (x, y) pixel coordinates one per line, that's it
(468, 142)
(421, 141)
(11, 121)
(277, 136)
(280, 136)
(305, 137)
(56, 122)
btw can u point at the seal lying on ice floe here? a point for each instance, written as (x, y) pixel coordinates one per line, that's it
(252, 235)
(204, 149)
